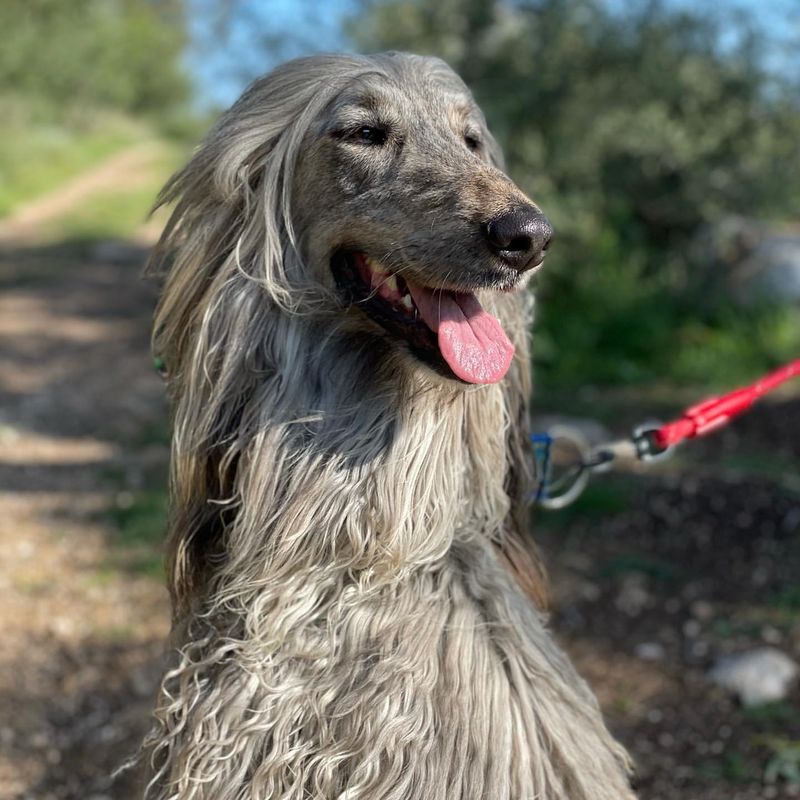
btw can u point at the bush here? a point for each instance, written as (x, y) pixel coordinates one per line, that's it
(121, 54)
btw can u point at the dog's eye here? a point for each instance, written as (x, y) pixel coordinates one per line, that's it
(370, 135)
(472, 142)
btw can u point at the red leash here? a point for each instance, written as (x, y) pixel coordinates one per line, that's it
(716, 412)
(557, 486)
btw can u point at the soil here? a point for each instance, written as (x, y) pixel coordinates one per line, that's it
(654, 575)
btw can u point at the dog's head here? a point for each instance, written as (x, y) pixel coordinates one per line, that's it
(369, 188)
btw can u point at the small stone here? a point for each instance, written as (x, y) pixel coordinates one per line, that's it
(590, 591)
(649, 651)
(771, 635)
(702, 610)
(633, 596)
(698, 649)
(654, 715)
(666, 740)
(691, 628)
(758, 676)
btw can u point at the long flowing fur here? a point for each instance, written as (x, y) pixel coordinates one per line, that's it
(345, 527)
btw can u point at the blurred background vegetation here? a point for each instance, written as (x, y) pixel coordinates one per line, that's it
(642, 128)
(660, 136)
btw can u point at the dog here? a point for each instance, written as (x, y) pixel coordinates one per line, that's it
(358, 611)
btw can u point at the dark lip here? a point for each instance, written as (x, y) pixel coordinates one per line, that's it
(496, 279)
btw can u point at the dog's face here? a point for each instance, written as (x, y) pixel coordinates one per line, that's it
(402, 206)
(403, 202)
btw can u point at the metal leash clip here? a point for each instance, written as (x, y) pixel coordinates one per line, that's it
(645, 440)
(564, 460)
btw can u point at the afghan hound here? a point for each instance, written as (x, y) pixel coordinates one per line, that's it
(358, 614)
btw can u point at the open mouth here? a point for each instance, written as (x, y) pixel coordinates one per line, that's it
(448, 330)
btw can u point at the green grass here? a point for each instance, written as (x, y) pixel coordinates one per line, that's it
(140, 526)
(750, 621)
(141, 518)
(41, 151)
(732, 768)
(784, 761)
(787, 599)
(116, 213)
(632, 563)
(605, 495)
(771, 715)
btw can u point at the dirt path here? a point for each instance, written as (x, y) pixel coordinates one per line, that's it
(83, 629)
(130, 168)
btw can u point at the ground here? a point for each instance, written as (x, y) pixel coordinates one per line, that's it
(654, 573)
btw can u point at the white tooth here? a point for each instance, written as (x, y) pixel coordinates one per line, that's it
(391, 283)
(407, 302)
(375, 267)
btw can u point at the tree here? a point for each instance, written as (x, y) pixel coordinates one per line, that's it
(123, 54)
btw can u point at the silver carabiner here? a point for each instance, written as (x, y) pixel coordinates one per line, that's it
(556, 491)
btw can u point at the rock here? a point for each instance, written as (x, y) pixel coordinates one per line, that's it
(650, 651)
(757, 676)
(702, 610)
(633, 596)
(755, 261)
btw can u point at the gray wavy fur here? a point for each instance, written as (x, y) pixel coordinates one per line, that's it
(346, 564)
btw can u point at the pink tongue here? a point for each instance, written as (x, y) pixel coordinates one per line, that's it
(471, 340)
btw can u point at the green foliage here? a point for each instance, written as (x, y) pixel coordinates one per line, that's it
(40, 152)
(643, 565)
(784, 762)
(788, 598)
(122, 54)
(634, 133)
(141, 522)
(732, 767)
(80, 79)
(771, 715)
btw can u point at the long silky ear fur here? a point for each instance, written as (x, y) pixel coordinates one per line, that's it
(227, 260)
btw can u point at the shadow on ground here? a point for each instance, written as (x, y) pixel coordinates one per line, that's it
(82, 437)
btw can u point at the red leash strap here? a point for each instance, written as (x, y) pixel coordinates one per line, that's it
(716, 412)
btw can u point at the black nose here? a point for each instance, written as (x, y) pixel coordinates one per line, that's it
(519, 236)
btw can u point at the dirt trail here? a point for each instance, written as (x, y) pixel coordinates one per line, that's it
(129, 169)
(82, 633)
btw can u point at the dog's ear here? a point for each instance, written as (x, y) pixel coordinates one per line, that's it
(224, 262)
